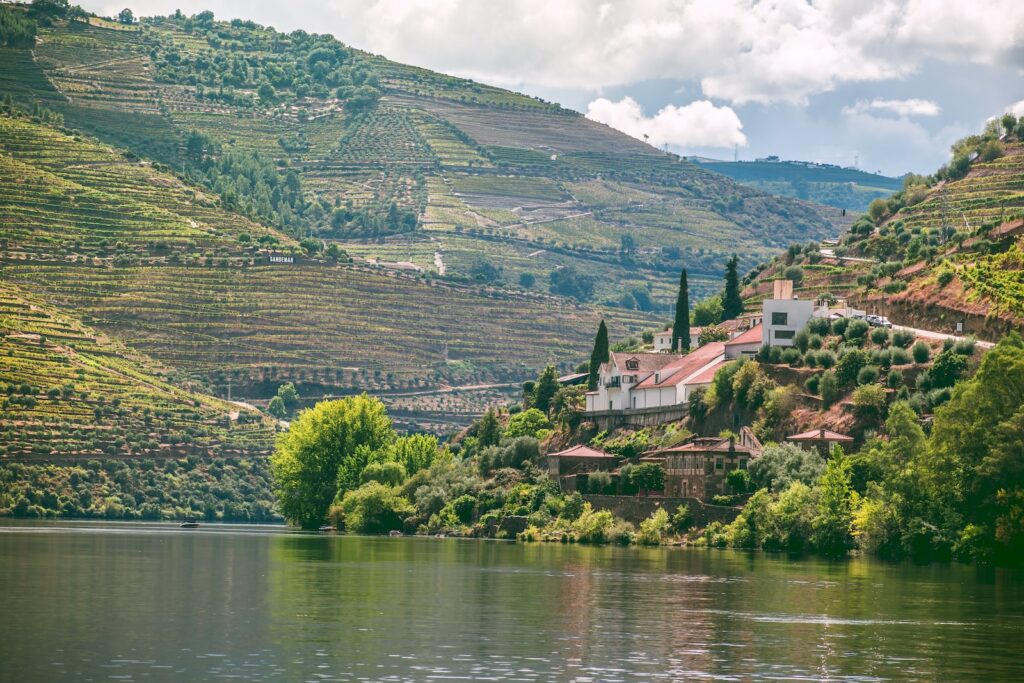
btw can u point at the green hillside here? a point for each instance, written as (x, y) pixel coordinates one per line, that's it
(842, 188)
(946, 249)
(383, 150)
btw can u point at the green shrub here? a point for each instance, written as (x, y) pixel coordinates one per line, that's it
(592, 527)
(654, 528)
(811, 384)
(599, 482)
(374, 508)
(856, 331)
(880, 336)
(902, 338)
(898, 356)
(894, 379)
(682, 520)
(839, 326)
(868, 374)
(921, 352)
(387, 473)
(792, 357)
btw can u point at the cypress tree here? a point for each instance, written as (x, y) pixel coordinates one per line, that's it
(681, 326)
(598, 355)
(547, 386)
(732, 304)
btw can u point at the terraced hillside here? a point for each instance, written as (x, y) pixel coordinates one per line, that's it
(945, 250)
(72, 393)
(148, 259)
(391, 152)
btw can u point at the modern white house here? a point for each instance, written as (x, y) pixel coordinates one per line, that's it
(734, 328)
(642, 381)
(784, 315)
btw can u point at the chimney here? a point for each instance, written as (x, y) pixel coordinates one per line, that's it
(783, 290)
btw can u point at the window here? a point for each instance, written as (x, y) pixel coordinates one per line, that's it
(632, 364)
(784, 334)
(743, 463)
(719, 464)
(780, 318)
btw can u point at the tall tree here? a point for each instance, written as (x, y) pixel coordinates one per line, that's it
(732, 304)
(489, 430)
(598, 355)
(547, 386)
(681, 326)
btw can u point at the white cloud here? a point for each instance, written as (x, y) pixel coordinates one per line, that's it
(698, 124)
(1017, 108)
(911, 107)
(738, 50)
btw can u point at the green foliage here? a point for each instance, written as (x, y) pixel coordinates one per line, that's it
(732, 303)
(781, 465)
(374, 508)
(681, 323)
(16, 29)
(599, 483)
(389, 473)
(532, 423)
(647, 476)
(833, 523)
(288, 395)
(593, 527)
(598, 356)
(323, 453)
(488, 430)
(921, 352)
(738, 480)
(708, 311)
(682, 518)
(868, 374)
(654, 529)
(276, 407)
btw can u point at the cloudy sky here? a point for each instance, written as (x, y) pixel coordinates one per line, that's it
(889, 82)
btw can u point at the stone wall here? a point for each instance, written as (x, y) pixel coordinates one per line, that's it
(636, 508)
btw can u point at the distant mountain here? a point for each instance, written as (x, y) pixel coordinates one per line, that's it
(843, 188)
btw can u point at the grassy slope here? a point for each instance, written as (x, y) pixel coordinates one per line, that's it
(986, 291)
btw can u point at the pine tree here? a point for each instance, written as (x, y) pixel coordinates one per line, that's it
(488, 432)
(732, 304)
(598, 355)
(681, 326)
(547, 386)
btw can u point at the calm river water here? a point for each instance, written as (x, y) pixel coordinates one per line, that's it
(150, 602)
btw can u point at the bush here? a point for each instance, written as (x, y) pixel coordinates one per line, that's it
(781, 465)
(856, 331)
(682, 520)
(621, 533)
(898, 356)
(811, 384)
(839, 326)
(532, 423)
(591, 526)
(902, 338)
(654, 528)
(894, 380)
(826, 359)
(828, 387)
(880, 336)
(792, 357)
(868, 374)
(869, 402)
(921, 352)
(374, 508)
(739, 481)
(849, 365)
(599, 482)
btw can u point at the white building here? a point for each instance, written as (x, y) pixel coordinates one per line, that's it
(784, 315)
(734, 328)
(640, 381)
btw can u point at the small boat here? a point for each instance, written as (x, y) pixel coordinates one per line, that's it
(326, 527)
(394, 532)
(189, 524)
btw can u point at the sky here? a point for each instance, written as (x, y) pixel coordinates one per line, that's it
(887, 85)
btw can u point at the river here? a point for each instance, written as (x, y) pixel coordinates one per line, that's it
(90, 601)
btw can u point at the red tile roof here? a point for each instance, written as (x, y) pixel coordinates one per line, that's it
(820, 435)
(751, 336)
(682, 367)
(707, 446)
(582, 452)
(707, 374)
(647, 362)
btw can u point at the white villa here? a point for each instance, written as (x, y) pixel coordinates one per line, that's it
(639, 381)
(661, 383)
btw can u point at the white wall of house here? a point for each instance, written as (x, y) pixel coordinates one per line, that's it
(734, 351)
(663, 342)
(783, 318)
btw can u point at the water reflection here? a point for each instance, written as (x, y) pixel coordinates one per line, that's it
(131, 603)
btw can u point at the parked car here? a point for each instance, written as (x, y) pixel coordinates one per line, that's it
(878, 321)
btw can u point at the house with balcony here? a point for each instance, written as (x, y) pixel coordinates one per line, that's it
(700, 467)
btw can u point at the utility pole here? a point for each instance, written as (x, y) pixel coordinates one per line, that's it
(229, 387)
